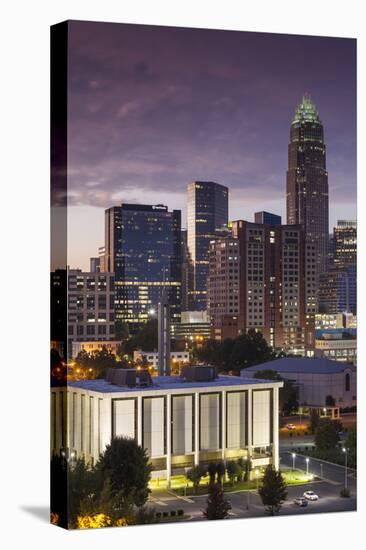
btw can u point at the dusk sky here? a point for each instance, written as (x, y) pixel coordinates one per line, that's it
(153, 108)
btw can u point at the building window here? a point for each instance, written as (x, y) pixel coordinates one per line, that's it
(348, 382)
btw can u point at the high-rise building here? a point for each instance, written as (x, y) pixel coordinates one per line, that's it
(345, 244)
(207, 211)
(90, 306)
(268, 218)
(143, 249)
(187, 272)
(276, 289)
(224, 287)
(307, 179)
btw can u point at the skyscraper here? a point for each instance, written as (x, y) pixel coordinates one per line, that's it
(268, 218)
(143, 249)
(307, 179)
(207, 211)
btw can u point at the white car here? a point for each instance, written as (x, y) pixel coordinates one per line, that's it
(291, 426)
(310, 495)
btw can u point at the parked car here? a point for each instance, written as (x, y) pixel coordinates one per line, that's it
(290, 426)
(310, 495)
(301, 501)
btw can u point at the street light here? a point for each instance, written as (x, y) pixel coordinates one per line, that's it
(345, 466)
(151, 311)
(307, 465)
(293, 460)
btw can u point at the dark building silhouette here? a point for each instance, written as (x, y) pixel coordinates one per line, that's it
(143, 249)
(307, 179)
(207, 212)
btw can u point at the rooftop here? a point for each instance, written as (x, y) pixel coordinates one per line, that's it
(167, 383)
(304, 365)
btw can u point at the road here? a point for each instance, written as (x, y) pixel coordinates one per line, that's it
(328, 490)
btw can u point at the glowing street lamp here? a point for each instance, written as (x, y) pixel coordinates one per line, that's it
(151, 311)
(307, 465)
(293, 460)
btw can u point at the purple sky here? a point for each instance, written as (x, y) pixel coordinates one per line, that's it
(153, 108)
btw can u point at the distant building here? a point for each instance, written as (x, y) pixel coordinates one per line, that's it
(187, 272)
(335, 320)
(316, 379)
(143, 248)
(337, 345)
(207, 211)
(194, 326)
(338, 290)
(345, 244)
(307, 179)
(180, 421)
(268, 218)
(94, 265)
(94, 345)
(151, 358)
(90, 306)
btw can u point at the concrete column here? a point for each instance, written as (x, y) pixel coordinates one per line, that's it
(105, 422)
(223, 424)
(249, 422)
(139, 420)
(275, 449)
(168, 438)
(196, 428)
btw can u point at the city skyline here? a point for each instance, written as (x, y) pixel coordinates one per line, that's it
(143, 116)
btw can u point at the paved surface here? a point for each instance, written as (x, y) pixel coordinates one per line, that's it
(328, 490)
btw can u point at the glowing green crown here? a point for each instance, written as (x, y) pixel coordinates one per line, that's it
(306, 111)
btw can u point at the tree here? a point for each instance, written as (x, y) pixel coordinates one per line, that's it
(146, 339)
(220, 470)
(314, 420)
(351, 445)
(211, 470)
(233, 470)
(327, 434)
(195, 474)
(127, 466)
(121, 330)
(273, 491)
(217, 506)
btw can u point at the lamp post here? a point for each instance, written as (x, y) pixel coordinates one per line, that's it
(307, 465)
(345, 466)
(257, 476)
(293, 460)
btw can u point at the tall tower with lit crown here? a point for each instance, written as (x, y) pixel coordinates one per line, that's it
(307, 179)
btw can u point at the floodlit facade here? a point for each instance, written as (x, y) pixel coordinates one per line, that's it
(181, 423)
(151, 358)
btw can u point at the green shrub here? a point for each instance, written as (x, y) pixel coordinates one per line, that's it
(345, 493)
(180, 512)
(173, 513)
(165, 514)
(158, 515)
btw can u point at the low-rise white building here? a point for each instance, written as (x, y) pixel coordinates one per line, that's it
(180, 422)
(316, 379)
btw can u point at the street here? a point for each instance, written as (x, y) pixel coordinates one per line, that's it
(328, 490)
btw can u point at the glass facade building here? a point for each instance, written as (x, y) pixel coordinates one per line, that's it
(207, 211)
(143, 249)
(307, 179)
(345, 243)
